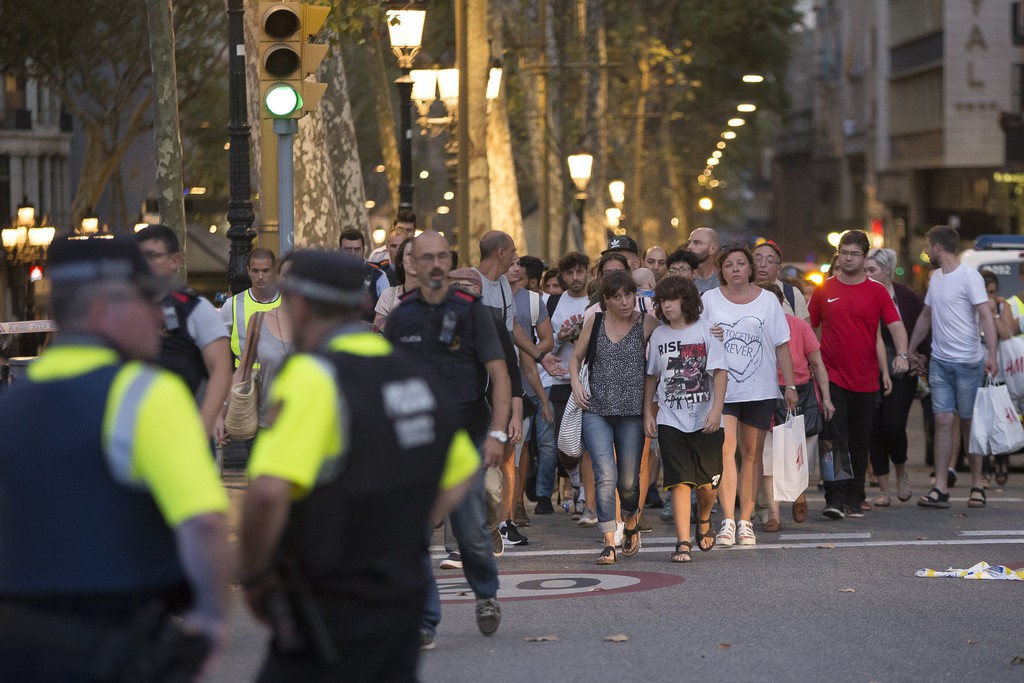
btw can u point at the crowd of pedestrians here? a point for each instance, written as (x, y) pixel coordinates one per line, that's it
(464, 391)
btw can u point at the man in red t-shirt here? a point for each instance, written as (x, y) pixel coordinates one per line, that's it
(845, 312)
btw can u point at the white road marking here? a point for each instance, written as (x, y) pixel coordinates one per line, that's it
(994, 532)
(813, 537)
(782, 546)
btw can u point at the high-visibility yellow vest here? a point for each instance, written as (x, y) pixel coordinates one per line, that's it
(243, 305)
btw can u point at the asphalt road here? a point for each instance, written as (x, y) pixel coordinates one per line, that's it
(820, 600)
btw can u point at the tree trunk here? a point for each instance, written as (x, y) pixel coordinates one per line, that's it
(382, 90)
(596, 104)
(634, 199)
(475, 133)
(101, 160)
(169, 182)
(329, 194)
(677, 185)
(506, 213)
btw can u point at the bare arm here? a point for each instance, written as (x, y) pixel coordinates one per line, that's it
(576, 362)
(650, 407)
(921, 329)
(264, 515)
(501, 409)
(447, 499)
(533, 379)
(821, 377)
(208, 563)
(219, 366)
(713, 422)
(883, 362)
(785, 362)
(989, 329)
(651, 323)
(1004, 322)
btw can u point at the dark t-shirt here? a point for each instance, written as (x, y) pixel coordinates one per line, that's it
(459, 366)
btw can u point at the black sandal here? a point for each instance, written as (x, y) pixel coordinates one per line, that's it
(934, 499)
(977, 499)
(607, 555)
(631, 540)
(678, 555)
(701, 537)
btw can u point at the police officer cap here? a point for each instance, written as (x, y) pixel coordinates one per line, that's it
(77, 260)
(327, 277)
(621, 243)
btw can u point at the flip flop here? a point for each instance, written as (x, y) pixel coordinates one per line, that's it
(607, 555)
(631, 541)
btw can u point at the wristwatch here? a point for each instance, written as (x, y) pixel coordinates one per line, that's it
(540, 356)
(791, 386)
(904, 356)
(500, 436)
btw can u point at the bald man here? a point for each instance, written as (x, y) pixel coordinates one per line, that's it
(656, 259)
(705, 246)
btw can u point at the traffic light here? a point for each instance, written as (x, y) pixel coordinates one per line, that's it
(286, 58)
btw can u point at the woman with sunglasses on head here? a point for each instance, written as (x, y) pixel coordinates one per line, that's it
(756, 339)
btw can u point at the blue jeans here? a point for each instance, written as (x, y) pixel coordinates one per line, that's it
(547, 448)
(954, 386)
(615, 468)
(469, 524)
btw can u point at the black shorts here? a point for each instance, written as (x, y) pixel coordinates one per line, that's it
(757, 414)
(691, 458)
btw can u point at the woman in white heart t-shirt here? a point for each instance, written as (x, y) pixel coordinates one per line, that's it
(756, 339)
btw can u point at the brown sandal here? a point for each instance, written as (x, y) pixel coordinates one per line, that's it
(682, 556)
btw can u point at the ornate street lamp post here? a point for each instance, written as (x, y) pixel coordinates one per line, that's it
(405, 28)
(240, 214)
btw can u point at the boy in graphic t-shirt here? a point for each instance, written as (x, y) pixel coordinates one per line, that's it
(686, 366)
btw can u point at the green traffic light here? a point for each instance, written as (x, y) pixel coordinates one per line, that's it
(282, 99)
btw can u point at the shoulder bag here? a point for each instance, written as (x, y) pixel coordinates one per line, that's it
(243, 414)
(570, 433)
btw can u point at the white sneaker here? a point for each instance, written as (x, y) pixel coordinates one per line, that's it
(727, 533)
(745, 533)
(619, 527)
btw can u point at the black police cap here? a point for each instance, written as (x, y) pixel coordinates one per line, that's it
(82, 259)
(327, 277)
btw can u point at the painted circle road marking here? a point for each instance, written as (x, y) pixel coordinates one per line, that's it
(547, 585)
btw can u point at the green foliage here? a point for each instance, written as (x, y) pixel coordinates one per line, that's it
(356, 20)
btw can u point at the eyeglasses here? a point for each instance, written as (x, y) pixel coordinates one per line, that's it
(440, 257)
(679, 270)
(850, 254)
(766, 260)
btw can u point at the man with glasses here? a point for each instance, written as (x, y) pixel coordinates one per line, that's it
(681, 262)
(194, 342)
(767, 264)
(456, 336)
(846, 311)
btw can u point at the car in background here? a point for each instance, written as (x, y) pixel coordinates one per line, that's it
(1000, 254)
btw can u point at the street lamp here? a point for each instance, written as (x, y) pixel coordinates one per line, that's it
(405, 28)
(580, 167)
(617, 189)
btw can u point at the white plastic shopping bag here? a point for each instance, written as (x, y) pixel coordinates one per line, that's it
(789, 459)
(995, 426)
(1011, 365)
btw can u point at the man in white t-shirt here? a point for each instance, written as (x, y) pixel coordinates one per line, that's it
(957, 312)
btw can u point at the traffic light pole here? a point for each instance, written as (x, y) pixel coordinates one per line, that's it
(285, 129)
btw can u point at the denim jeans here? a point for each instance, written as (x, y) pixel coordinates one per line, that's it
(430, 615)
(547, 447)
(616, 444)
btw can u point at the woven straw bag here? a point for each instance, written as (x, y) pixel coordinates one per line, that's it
(243, 415)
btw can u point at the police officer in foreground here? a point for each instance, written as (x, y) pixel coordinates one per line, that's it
(335, 575)
(111, 511)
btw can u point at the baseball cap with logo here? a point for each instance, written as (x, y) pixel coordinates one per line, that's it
(621, 243)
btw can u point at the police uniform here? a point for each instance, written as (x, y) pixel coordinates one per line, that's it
(356, 422)
(180, 351)
(102, 458)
